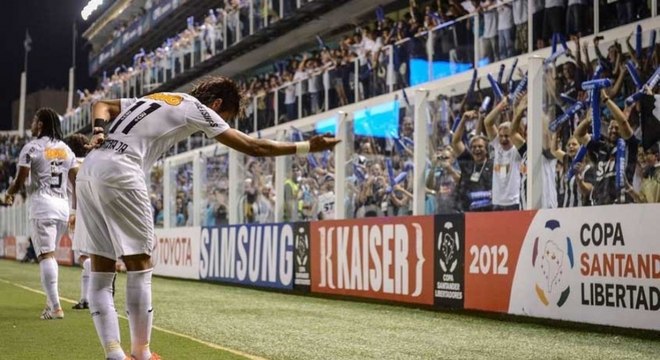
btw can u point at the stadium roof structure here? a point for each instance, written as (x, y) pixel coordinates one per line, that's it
(101, 30)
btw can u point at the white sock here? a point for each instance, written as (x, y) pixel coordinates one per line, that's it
(84, 280)
(139, 311)
(48, 270)
(104, 314)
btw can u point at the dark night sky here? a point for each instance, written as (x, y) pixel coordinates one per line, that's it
(50, 25)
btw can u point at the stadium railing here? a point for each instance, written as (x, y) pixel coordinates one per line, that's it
(235, 191)
(445, 50)
(228, 19)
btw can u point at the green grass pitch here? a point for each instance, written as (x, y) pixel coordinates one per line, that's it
(281, 326)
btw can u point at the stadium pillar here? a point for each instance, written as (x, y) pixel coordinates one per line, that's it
(254, 114)
(597, 17)
(654, 8)
(276, 106)
(530, 30)
(198, 162)
(343, 125)
(280, 178)
(356, 80)
(167, 184)
(536, 121)
(69, 98)
(21, 105)
(235, 184)
(477, 41)
(420, 139)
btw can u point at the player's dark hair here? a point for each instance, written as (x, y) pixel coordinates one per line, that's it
(50, 123)
(219, 87)
(77, 144)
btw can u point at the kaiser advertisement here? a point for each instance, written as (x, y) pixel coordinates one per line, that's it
(176, 252)
(258, 255)
(600, 265)
(449, 260)
(386, 258)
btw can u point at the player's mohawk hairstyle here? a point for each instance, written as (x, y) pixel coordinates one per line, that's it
(219, 87)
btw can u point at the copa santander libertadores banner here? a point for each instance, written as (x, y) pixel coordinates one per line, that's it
(385, 258)
(596, 265)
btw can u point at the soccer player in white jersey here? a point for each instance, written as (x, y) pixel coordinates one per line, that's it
(113, 200)
(78, 144)
(51, 166)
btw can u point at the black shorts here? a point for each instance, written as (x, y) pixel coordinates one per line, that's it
(537, 25)
(553, 22)
(576, 18)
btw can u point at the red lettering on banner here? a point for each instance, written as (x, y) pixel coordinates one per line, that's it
(388, 259)
(175, 251)
(487, 288)
(617, 265)
(64, 251)
(10, 247)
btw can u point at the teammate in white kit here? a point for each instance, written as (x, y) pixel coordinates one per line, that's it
(50, 164)
(78, 144)
(113, 200)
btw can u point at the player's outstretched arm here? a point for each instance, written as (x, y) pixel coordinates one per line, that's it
(264, 147)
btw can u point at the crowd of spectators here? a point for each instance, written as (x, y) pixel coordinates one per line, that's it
(477, 160)
(10, 147)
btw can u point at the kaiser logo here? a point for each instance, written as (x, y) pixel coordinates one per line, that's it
(381, 258)
(449, 246)
(302, 249)
(551, 258)
(301, 255)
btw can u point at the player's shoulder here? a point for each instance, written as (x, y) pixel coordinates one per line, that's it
(33, 145)
(170, 98)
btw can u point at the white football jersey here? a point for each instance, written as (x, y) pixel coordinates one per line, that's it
(49, 162)
(69, 186)
(144, 130)
(327, 205)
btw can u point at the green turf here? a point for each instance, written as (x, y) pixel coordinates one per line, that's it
(280, 326)
(24, 336)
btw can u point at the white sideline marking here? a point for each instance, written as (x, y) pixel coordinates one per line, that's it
(211, 345)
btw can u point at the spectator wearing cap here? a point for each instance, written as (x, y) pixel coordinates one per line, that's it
(291, 193)
(326, 199)
(476, 169)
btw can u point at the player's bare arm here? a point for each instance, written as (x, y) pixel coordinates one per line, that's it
(103, 112)
(21, 175)
(264, 147)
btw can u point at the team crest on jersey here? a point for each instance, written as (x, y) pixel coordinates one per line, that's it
(169, 99)
(55, 154)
